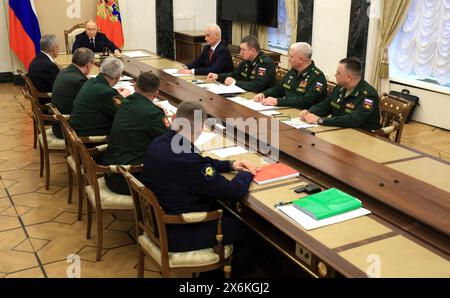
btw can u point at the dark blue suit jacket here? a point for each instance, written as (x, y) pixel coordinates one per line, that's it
(101, 41)
(42, 73)
(221, 61)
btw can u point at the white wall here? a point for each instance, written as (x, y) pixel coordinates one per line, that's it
(5, 54)
(330, 34)
(193, 14)
(139, 24)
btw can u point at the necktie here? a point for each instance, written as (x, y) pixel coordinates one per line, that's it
(211, 52)
(93, 43)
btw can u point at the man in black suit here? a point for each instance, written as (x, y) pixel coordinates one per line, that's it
(215, 56)
(43, 70)
(94, 40)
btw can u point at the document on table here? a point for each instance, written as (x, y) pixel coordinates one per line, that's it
(174, 72)
(297, 123)
(270, 113)
(171, 110)
(231, 151)
(137, 54)
(125, 85)
(222, 89)
(309, 223)
(204, 138)
(249, 103)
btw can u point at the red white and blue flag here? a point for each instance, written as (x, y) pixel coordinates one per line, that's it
(109, 21)
(24, 31)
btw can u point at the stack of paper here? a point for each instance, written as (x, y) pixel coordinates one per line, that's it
(297, 123)
(125, 85)
(255, 106)
(174, 72)
(136, 54)
(309, 223)
(231, 151)
(270, 113)
(222, 89)
(171, 110)
(204, 138)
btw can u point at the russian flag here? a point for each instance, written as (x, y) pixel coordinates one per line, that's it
(24, 31)
(109, 21)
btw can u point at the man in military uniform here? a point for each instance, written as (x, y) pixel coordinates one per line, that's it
(138, 121)
(69, 82)
(303, 86)
(94, 107)
(256, 73)
(185, 182)
(353, 103)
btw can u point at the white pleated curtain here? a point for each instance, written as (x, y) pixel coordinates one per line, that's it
(422, 46)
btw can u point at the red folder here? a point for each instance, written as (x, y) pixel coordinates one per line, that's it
(275, 172)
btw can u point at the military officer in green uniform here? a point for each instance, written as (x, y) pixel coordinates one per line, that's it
(94, 107)
(138, 121)
(303, 86)
(256, 73)
(354, 103)
(69, 82)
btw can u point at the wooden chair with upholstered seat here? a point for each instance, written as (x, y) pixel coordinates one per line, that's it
(330, 87)
(70, 35)
(32, 91)
(280, 74)
(236, 61)
(48, 142)
(151, 221)
(394, 112)
(97, 193)
(73, 158)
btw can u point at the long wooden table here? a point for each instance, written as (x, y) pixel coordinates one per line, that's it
(407, 191)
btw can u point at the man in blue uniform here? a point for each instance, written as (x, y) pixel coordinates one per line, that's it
(184, 182)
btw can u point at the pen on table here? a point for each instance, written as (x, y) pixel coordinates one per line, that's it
(282, 203)
(217, 83)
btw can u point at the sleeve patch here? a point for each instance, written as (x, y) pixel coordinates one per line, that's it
(261, 71)
(318, 86)
(368, 104)
(209, 172)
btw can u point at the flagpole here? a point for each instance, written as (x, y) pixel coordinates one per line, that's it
(9, 41)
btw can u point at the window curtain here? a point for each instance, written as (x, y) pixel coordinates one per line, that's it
(292, 12)
(392, 15)
(423, 42)
(241, 30)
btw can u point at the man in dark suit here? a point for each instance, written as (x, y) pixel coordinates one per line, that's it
(94, 40)
(43, 70)
(215, 57)
(69, 82)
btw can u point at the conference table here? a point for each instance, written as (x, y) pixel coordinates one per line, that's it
(407, 191)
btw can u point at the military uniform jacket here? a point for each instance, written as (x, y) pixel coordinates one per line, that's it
(94, 109)
(300, 90)
(187, 182)
(138, 121)
(66, 88)
(358, 110)
(256, 76)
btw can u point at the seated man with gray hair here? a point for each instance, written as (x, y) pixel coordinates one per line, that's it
(302, 87)
(69, 82)
(43, 70)
(94, 107)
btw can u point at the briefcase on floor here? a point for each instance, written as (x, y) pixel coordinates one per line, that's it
(405, 94)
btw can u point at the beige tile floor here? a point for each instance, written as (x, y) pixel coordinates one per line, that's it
(39, 230)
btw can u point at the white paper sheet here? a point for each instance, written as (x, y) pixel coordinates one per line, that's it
(136, 54)
(174, 72)
(222, 89)
(270, 113)
(204, 138)
(125, 78)
(297, 123)
(255, 106)
(125, 85)
(231, 151)
(171, 110)
(309, 223)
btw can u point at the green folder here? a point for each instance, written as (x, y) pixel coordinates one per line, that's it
(327, 203)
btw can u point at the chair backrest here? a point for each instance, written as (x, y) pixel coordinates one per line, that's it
(70, 35)
(71, 148)
(394, 111)
(280, 74)
(89, 166)
(29, 85)
(148, 213)
(330, 87)
(39, 118)
(236, 61)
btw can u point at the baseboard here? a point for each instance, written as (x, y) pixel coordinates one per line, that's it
(6, 77)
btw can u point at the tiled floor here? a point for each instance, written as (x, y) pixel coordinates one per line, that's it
(39, 230)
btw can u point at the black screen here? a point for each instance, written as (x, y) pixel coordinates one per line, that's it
(260, 12)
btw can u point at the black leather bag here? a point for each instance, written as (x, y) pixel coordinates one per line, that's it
(405, 94)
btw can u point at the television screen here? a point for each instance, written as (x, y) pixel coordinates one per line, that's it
(260, 12)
